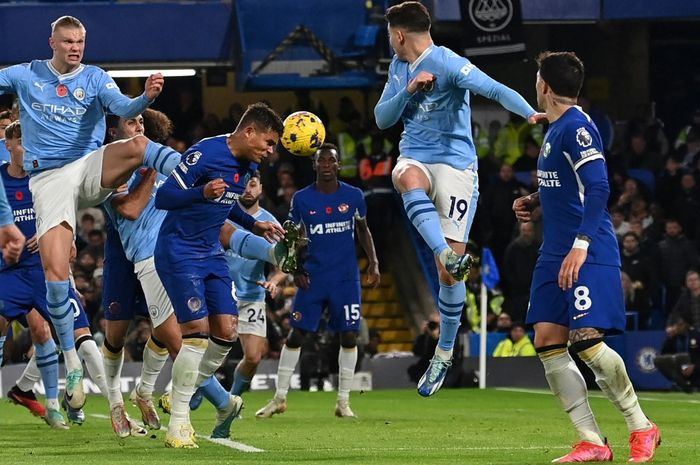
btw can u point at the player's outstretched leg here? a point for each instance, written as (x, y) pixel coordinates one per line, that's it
(154, 356)
(611, 376)
(288, 362)
(282, 254)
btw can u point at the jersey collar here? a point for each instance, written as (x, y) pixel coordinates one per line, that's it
(60, 76)
(412, 67)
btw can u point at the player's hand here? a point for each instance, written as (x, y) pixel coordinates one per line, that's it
(154, 86)
(688, 370)
(270, 287)
(33, 244)
(568, 273)
(302, 280)
(424, 82)
(12, 243)
(373, 275)
(215, 188)
(523, 206)
(538, 118)
(269, 230)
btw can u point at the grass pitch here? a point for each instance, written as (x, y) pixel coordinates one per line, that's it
(464, 426)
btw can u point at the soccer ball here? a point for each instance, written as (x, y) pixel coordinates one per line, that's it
(303, 134)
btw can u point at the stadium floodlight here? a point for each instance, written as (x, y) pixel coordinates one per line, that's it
(129, 73)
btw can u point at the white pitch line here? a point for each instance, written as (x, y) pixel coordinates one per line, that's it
(598, 395)
(220, 441)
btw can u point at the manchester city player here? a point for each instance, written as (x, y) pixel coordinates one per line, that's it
(576, 294)
(133, 214)
(330, 211)
(63, 105)
(428, 90)
(199, 195)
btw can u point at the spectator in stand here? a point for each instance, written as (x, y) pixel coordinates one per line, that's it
(510, 142)
(686, 206)
(5, 120)
(96, 238)
(235, 111)
(639, 266)
(636, 300)
(681, 331)
(620, 224)
(137, 339)
(372, 347)
(647, 244)
(682, 138)
(528, 160)
(504, 323)
(518, 265)
(638, 154)
(690, 152)
(497, 219)
(517, 344)
(668, 181)
(639, 211)
(677, 255)
(602, 122)
(630, 193)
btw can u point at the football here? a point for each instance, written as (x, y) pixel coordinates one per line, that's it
(303, 134)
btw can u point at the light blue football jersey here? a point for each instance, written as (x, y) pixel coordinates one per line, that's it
(139, 236)
(571, 162)
(6, 216)
(437, 122)
(244, 272)
(63, 115)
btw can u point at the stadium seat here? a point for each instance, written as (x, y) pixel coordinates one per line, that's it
(646, 177)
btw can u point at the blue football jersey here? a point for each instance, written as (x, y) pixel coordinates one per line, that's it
(244, 272)
(329, 220)
(139, 237)
(63, 115)
(437, 122)
(192, 232)
(6, 216)
(22, 207)
(572, 144)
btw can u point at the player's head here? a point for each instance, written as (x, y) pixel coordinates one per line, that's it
(406, 20)
(326, 163)
(13, 142)
(157, 126)
(559, 79)
(123, 128)
(253, 191)
(259, 130)
(67, 42)
(5, 120)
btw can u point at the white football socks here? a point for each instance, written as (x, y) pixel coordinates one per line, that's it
(347, 360)
(288, 362)
(154, 357)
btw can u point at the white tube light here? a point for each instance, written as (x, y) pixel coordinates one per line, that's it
(129, 73)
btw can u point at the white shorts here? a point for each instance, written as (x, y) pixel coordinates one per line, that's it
(251, 318)
(159, 306)
(60, 192)
(455, 194)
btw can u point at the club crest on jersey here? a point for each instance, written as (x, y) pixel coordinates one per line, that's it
(193, 158)
(296, 316)
(246, 178)
(114, 308)
(79, 94)
(61, 90)
(583, 137)
(343, 208)
(546, 149)
(153, 311)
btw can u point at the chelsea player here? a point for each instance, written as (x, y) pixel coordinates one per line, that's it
(428, 90)
(63, 104)
(331, 211)
(576, 294)
(199, 195)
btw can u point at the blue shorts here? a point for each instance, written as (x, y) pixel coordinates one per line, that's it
(197, 288)
(23, 289)
(342, 299)
(595, 301)
(122, 296)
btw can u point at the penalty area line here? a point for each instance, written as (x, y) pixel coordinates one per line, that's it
(220, 441)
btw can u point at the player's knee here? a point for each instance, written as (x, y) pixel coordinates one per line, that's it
(348, 339)
(254, 357)
(296, 337)
(40, 333)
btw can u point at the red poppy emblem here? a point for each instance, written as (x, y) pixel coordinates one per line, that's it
(329, 210)
(61, 90)
(19, 195)
(236, 177)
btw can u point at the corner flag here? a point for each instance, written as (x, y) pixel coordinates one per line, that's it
(489, 270)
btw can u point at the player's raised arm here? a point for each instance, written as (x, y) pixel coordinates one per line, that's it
(131, 204)
(392, 102)
(119, 104)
